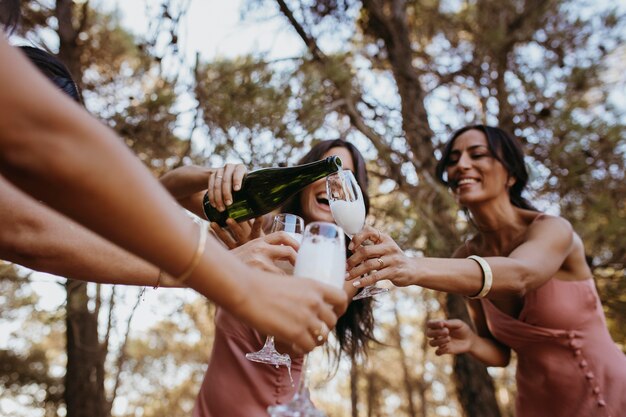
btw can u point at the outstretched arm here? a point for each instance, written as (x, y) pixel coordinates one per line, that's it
(549, 241)
(189, 184)
(39, 238)
(53, 150)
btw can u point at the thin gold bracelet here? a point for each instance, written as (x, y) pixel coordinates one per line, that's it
(158, 282)
(487, 276)
(196, 257)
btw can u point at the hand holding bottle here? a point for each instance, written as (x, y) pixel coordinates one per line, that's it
(261, 191)
(189, 184)
(223, 182)
(234, 234)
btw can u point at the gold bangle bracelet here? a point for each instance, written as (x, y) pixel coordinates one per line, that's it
(196, 257)
(487, 276)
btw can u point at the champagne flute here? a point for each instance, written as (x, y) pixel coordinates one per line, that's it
(294, 226)
(322, 256)
(348, 208)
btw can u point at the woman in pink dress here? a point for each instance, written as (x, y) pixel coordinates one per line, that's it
(233, 386)
(528, 285)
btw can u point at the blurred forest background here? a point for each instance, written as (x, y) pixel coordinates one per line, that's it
(395, 77)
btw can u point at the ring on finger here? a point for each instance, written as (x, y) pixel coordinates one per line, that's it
(322, 333)
(381, 263)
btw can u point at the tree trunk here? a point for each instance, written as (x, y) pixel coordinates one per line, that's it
(84, 381)
(354, 386)
(474, 386)
(372, 397)
(422, 386)
(409, 387)
(69, 28)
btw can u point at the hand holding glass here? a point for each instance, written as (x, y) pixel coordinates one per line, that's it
(322, 256)
(348, 208)
(268, 354)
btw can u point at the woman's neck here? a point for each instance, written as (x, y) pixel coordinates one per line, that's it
(499, 224)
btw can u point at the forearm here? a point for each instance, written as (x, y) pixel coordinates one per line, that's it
(41, 239)
(62, 156)
(193, 203)
(465, 276)
(188, 185)
(185, 181)
(489, 351)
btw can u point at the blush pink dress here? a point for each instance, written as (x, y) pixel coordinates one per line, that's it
(568, 365)
(233, 386)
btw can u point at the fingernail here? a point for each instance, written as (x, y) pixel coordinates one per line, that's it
(229, 202)
(351, 246)
(356, 283)
(347, 277)
(237, 187)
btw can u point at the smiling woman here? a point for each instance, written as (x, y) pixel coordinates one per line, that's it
(528, 285)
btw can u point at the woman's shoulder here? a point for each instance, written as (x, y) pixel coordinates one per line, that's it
(551, 229)
(539, 220)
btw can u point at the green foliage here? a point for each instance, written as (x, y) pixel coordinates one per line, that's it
(244, 101)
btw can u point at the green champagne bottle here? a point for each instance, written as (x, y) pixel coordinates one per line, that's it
(266, 189)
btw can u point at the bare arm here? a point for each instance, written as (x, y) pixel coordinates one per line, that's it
(188, 185)
(53, 150)
(39, 238)
(532, 263)
(454, 336)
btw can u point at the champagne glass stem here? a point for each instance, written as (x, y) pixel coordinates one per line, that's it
(304, 377)
(269, 343)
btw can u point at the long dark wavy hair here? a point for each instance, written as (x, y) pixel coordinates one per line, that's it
(54, 70)
(505, 149)
(356, 327)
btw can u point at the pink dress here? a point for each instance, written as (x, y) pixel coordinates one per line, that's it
(568, 365)
(233, 386)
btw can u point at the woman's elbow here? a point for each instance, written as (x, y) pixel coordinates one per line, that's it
(523, 280)
(505, 359)
(502, 359)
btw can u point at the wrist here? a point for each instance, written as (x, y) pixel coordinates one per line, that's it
(224, 282)
(413, 271)
(474, 341)
(241, 286)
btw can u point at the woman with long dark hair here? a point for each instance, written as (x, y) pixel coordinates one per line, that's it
(248, 388)
(528, 285)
